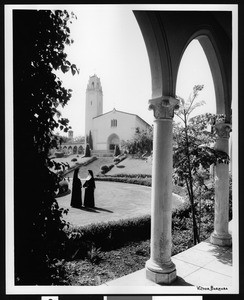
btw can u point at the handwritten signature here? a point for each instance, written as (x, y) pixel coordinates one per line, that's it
(211, 288)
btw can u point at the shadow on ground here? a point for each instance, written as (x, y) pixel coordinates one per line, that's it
(180, 281)
(93, 209)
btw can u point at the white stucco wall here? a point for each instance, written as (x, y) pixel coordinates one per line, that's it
(125, 129)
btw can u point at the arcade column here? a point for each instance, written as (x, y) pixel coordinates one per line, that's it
(160, 268)
(221, 235)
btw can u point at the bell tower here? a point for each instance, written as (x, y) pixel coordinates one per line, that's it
(94, 102)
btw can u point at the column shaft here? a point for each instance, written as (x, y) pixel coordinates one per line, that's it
(221, 236)
(160, 268)
(161, 191)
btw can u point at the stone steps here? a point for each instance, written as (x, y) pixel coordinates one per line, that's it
(102, 153)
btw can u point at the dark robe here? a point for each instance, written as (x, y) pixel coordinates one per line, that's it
(76, 194)
(89, 192)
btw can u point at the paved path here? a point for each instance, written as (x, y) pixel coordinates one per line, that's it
(113, 201)
(205, 266)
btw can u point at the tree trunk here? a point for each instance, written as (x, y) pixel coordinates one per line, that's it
(194, 223)
(190, 188)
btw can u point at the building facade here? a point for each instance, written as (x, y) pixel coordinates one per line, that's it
(107, 129)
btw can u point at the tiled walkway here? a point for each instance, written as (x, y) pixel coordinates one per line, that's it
(202, 265)
(204, 268)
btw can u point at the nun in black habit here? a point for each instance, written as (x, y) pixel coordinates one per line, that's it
(89, 186)
(76, 191)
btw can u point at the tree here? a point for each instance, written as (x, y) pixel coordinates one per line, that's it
(87, 151)
(79, 139)
(141, 142)
(63, 139)
(39, 40)
(116, 150)
(193, 153)
(90, 140)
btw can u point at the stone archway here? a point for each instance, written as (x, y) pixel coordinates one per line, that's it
(166, 35)
(221, 85)
(70, 150)
(74, 149)
(112, 141)
(65, 150)
(222, 88)
(80, 150)
(222, 91)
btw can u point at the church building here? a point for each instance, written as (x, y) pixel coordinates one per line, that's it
(104, 131)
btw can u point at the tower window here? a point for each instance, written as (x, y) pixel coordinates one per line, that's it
(113, 123)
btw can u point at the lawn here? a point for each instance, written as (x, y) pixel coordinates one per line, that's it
(99, 266)
(127, 166)
(132, 166)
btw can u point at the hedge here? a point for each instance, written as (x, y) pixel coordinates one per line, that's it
(114, 234)
(141, 179)
(106, 236)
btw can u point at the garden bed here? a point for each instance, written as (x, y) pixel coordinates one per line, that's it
(103, 266)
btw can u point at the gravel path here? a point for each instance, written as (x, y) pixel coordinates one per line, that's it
(113, 201)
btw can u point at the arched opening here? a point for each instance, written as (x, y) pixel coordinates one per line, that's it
(65, 149)
(220, 90)
(75, 150)
(80, 150)
(113, 140)
(194, 69)
(167, 35)
(70, 150)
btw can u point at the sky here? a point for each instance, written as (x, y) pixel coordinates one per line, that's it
(108, 42)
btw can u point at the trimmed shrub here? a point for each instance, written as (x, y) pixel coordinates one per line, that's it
(59, 154)
(74, 159)
(63, 187)
(141, 181)
(104, 169)
(115, 234)
(106, 236)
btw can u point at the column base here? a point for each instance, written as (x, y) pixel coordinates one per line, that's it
(221, 240)
(160, 275)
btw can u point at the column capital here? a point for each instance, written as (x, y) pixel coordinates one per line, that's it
(223, 130)
(163, 107)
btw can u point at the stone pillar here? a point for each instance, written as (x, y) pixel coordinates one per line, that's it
(160, 268)
(221, 235)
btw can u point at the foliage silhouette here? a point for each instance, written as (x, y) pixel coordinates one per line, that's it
(116, 150)
(88, 151)
(193, 151)
(90, 140)
(141, 142)
(39, 40)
